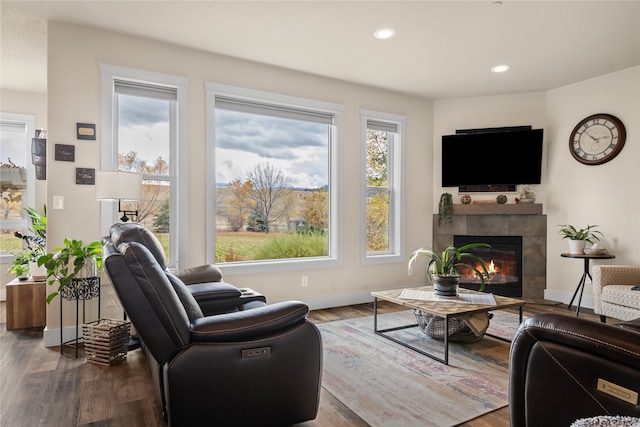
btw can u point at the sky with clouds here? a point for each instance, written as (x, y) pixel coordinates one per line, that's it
(299, 149)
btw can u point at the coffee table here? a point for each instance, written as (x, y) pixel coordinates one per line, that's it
(446, 310)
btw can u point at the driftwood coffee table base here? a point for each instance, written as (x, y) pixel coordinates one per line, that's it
(445, 310)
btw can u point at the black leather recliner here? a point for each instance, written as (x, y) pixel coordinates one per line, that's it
(563, 368)
(256, 364)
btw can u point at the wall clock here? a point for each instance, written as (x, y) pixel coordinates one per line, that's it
(597, 139)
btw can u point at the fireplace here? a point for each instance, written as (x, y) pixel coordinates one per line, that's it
(493, 219)
(504, 261)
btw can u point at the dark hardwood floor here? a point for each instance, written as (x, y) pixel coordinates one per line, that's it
(39, 387)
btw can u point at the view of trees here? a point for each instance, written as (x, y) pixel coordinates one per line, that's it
(269, 193)
(155, 195)
(377, 218)
(263, 199)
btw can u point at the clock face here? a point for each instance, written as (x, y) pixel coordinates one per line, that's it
(597, 139)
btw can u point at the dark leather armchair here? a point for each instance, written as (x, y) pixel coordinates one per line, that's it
(564, 368)
(204, 282)
(257, 364)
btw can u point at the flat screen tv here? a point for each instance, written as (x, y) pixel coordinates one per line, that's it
(492, 157)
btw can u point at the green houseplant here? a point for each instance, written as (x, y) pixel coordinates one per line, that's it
(578, 237)
(20, 264)
(445, 209)
(72, 261)
(35, 242)
(442, 268)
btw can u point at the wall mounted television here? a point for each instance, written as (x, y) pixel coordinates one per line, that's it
(492, 157)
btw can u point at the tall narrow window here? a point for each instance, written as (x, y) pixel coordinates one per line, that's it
(382, 186)
(145, 124)
(17, 180)
(274, 178)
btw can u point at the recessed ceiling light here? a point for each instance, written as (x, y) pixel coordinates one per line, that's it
(384, 33)
(500, 68)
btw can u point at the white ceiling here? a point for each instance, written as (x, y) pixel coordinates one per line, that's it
(442, 49)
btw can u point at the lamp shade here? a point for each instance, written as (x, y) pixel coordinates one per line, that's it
(118, 185)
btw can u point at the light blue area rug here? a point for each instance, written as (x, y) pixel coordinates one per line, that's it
(387, 384)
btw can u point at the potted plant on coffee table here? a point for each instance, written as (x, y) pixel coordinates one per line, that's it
(578, 237)
(70, 262)
(442, 268)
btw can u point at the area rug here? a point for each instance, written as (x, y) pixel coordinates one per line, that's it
(387, 384)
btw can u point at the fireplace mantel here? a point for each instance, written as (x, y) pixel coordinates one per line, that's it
(498, 209)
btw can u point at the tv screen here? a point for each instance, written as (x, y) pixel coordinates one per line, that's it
(492, 158)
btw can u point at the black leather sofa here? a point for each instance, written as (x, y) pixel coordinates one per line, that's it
(242, 363)
(564, 368)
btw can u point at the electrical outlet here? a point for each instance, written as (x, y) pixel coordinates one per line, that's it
(305, 281)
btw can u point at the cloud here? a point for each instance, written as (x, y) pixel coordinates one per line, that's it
(300, 149)
(142, 111)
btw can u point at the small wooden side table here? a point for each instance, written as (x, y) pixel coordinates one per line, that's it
(26, 304)
(585, 274)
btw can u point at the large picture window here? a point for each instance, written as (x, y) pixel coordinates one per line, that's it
(382, 189)
(273, 173)
(144, 140)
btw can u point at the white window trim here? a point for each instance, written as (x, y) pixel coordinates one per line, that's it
(179, 154)
(396, 209)
(334, 257)
(29, 121)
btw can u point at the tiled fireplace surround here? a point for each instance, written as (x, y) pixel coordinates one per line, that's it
(493, 219)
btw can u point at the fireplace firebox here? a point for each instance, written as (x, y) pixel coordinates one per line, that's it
(504, 261)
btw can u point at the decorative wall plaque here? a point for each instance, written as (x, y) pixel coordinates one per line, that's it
(65, 153)
(85, 176)
(86, 131)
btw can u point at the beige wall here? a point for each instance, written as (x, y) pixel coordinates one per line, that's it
(607, 195)
(74, 96)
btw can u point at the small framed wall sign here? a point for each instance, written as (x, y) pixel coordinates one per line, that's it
(65, 153)
(85, 176)
(86, 131)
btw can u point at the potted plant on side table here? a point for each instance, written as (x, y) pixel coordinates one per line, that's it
(442, 269)
(20, 264)
(578, 238)
(35, 242)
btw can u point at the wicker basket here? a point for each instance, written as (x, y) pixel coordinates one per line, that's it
(433, 326)
(106, 341)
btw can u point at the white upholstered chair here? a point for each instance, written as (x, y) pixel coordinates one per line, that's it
(612, 293)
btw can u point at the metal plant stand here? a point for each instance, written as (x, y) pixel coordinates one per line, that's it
(79, 290)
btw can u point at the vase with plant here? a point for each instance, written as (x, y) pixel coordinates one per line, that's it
(445, 209)
(578, 237)
(527, 195)
(70, 262)
(442, 269)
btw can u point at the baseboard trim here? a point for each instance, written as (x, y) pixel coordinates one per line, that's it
(337, 300)
(51, 336)
(565, 298)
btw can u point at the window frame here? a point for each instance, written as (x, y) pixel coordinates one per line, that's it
(178, 151)
(29, 121)
(334, 257)
(396, 178)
